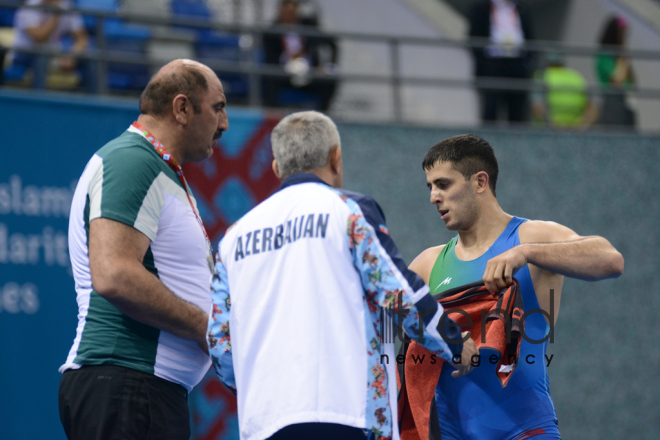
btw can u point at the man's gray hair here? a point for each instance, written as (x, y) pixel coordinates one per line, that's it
(302, 141)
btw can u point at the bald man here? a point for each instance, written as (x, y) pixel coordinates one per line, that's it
(142, 266)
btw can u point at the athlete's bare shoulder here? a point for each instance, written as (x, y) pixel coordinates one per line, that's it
(423, 264)
(539, 231)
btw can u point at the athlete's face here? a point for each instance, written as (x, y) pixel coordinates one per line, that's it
(453, 195)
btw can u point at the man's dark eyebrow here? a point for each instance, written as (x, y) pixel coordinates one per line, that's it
(444, 180)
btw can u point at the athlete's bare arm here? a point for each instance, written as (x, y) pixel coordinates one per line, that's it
(116, 252)
(552, 252)
(422, 266)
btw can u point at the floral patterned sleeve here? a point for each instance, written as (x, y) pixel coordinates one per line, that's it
(218, 336)
(386, 286)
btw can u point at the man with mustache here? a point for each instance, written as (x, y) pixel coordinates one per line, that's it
(142, 266)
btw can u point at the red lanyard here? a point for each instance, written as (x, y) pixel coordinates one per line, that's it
(167, 157)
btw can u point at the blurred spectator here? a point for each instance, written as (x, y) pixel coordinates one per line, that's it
(507, 25)
(323, 53)
(46, 29)
(564, 102)
(3, 53)
(615, 73)
(300, 56)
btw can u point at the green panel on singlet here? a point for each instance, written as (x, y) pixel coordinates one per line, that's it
(449, 272)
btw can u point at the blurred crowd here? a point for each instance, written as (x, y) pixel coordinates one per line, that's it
(300, 56)
(304, 60)
(563, 98)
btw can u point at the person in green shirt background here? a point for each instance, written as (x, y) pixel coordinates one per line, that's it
(615, 73)
(564, 101)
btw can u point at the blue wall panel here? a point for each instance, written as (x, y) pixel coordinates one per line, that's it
(45, 144)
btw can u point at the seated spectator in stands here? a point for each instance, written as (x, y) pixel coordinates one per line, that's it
(615, 73)
(300, 56)
(564, 102)
(507, 26)
(45, 29)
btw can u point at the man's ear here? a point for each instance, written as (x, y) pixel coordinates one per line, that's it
(181, 108)
(276, 170)
(335, 160)
(482, 179)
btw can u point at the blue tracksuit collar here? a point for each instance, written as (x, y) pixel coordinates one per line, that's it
(298, 178)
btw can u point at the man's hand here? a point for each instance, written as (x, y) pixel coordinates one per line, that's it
(469, 350)
(203, 345)
(67, 63)
(501, 269)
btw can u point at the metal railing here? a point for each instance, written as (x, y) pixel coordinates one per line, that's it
(251, 65)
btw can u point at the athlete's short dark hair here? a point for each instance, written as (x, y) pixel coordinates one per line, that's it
(160, 91)
(468, 154)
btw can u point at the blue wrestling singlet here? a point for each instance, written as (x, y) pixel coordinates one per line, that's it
(476, 406)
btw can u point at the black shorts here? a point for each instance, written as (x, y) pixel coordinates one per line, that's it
(319, 431)
(107, 402)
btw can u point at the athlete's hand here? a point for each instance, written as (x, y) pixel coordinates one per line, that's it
(501, 269)
(469, 350)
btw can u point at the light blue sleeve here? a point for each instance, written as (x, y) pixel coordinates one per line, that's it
(218, 336)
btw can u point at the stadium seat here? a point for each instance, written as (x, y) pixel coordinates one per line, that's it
(296, 98)
(220, 46)
(119, 37)
(213, 45)
(113, 28)
(7, 13)
(190, 9)
(14, 74)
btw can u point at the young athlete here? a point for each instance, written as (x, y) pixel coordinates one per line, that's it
(461, 174)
